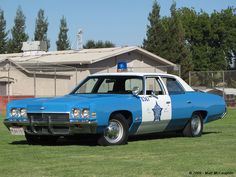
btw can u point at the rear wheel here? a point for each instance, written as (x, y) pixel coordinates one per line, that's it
(116, 133)
(194, 127)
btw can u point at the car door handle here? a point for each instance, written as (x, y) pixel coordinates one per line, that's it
(168, 102)
(189, 102)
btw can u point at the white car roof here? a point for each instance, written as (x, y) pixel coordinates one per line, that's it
(132, 74)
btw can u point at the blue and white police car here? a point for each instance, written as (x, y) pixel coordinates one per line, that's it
(114, 106)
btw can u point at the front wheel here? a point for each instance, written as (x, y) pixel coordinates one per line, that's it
(194, 127)
(116, 133)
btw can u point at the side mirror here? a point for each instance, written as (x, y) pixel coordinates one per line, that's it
(135, 91)
(154, 95)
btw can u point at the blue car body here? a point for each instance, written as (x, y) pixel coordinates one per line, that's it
(144, 112)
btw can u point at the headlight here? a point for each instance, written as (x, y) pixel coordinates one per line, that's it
(75, 113)
(14, 112)
(23, 112)
(85, 113)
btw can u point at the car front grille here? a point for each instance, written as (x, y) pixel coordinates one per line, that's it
(45, 117)
(48, 123)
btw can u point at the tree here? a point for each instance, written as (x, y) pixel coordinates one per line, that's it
(108, 44)
(166, 38)
(63, 42)
(3, 33)
(228, 19)
(178, 47)
(89, 44)
(41, 28)
(98, 44)
(155, 31)
(196, 41)
(209, 36)
(18, 33)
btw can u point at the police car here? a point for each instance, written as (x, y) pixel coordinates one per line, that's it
(114, 106)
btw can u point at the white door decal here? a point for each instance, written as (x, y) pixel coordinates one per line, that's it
(156, 107)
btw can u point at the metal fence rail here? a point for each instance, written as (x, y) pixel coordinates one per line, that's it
(218, 82)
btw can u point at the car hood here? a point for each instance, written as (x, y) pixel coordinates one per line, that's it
(64, 103)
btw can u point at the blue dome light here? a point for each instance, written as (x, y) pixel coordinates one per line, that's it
(121, 66)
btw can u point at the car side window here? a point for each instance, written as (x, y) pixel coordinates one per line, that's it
(131, 83)
(173, 86)
(153, 86)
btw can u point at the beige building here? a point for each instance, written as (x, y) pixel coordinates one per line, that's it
(39, 73)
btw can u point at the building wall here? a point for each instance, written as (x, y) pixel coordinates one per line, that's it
(51, 86)
(42, 85)
(22, 84)
(138, 62)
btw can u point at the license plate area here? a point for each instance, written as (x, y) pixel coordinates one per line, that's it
(17, 131)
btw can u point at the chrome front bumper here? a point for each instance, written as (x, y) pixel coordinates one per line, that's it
(54, 128)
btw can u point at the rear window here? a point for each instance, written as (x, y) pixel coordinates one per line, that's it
(173, 86)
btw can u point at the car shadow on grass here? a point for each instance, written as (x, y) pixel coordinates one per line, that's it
(205, 133)
(153, 136)
(164, 135)
(92, 140)
(64, 141)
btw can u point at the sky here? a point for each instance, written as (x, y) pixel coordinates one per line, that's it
(123, 22)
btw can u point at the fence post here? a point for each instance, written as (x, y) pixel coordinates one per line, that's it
(179, 70)
(223, 79)
(34, 84)
(8, 83)
(76, 76)
(189, 78)
(55, 82)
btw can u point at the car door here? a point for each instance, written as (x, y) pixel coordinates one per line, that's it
(182, 105)
(156, 106)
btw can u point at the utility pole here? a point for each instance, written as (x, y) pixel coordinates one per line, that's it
(79, 40)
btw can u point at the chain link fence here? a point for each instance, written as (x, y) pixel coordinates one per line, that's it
(222, 83)
(28, 80)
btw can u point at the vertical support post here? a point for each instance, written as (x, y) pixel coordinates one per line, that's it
(55, 82)
(189, 78)
(179, 70)
(76, 76)
(212, 82)
(34, 84)
(8, 83)
(107, 69)
(223, 79)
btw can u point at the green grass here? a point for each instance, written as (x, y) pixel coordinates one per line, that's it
(161, 156)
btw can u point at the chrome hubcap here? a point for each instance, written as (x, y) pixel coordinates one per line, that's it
(114, 132)
(196, 124)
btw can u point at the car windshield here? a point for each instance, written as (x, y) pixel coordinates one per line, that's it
(109, 85)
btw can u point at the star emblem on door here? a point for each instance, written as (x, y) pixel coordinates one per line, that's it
(157, 112)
